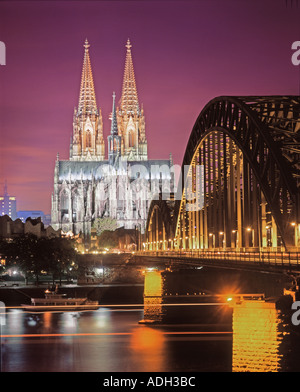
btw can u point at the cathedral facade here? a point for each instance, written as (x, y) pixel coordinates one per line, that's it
(90, 185)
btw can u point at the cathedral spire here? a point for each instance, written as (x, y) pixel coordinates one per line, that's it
(87, 96)
(129, 100)
(114, 124)
(87, 143)
(131, 120)
(114, 140)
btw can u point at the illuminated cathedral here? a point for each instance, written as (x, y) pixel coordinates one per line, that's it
(90, 185)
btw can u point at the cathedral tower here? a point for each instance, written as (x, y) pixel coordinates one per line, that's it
(87, 143)
(131, 120)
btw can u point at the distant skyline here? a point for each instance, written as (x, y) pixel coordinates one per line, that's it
(184, 52)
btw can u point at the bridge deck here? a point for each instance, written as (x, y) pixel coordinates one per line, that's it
(267, 261)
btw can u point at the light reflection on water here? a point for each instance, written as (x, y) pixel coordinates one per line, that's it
(261, 338)
(256, 337)
(259, 343)
(149, 346)
(147, 343)
(153, 292)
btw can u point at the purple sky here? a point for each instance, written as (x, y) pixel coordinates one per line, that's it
(184, 53)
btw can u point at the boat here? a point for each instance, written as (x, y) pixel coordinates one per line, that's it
(59, 302)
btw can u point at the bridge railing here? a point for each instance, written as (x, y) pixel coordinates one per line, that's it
(261, 257)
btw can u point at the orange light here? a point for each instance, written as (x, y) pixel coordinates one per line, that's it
(256, 340)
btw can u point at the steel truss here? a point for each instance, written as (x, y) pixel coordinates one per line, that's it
(159, 227)
(249, 150)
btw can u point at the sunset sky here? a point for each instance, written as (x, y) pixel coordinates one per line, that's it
(184, 52)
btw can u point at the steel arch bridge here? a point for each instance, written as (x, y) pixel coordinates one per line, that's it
(160, 227)
(240, 178)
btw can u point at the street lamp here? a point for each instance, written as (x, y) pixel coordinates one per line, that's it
(297, 232)
(223, 239)
(213, 238)
(237, 238)
(249, 229)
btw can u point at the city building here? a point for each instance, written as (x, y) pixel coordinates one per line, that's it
(10, 229)
(88, 186)
(23, 215)
(8, 204)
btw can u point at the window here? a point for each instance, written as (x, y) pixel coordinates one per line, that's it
(131, 139)
(88, 140)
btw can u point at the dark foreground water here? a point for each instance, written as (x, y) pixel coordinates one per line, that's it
(108, 340)
(111, 340)
(180, 331)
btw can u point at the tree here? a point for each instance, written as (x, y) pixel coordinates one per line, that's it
(102, 224)
(24, 252)
(32, 255)
(59, 256)
(108, 239)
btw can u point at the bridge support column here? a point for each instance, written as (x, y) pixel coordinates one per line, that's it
(297, 235)
(264, 240)
(238, 231)
(274, 233)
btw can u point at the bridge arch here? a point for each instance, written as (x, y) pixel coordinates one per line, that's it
(159, 227)
(249, 150)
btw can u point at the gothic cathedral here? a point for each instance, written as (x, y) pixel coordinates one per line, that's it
(90, 186)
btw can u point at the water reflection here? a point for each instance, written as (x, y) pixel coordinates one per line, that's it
(153, 292)
(263, 338)
(69, 321)
(191, 334)
(256, 338)
(149, 346)
(163, 304)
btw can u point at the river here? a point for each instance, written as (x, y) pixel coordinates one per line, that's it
(164, 335)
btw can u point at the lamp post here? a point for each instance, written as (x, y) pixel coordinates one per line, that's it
(213, 239)
(222, 239)
(249, 229)
(297, 232)
(236, 238)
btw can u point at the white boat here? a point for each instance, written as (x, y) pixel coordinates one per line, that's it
(60, 302)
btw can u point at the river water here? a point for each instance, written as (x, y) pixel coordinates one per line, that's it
(172, 333)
